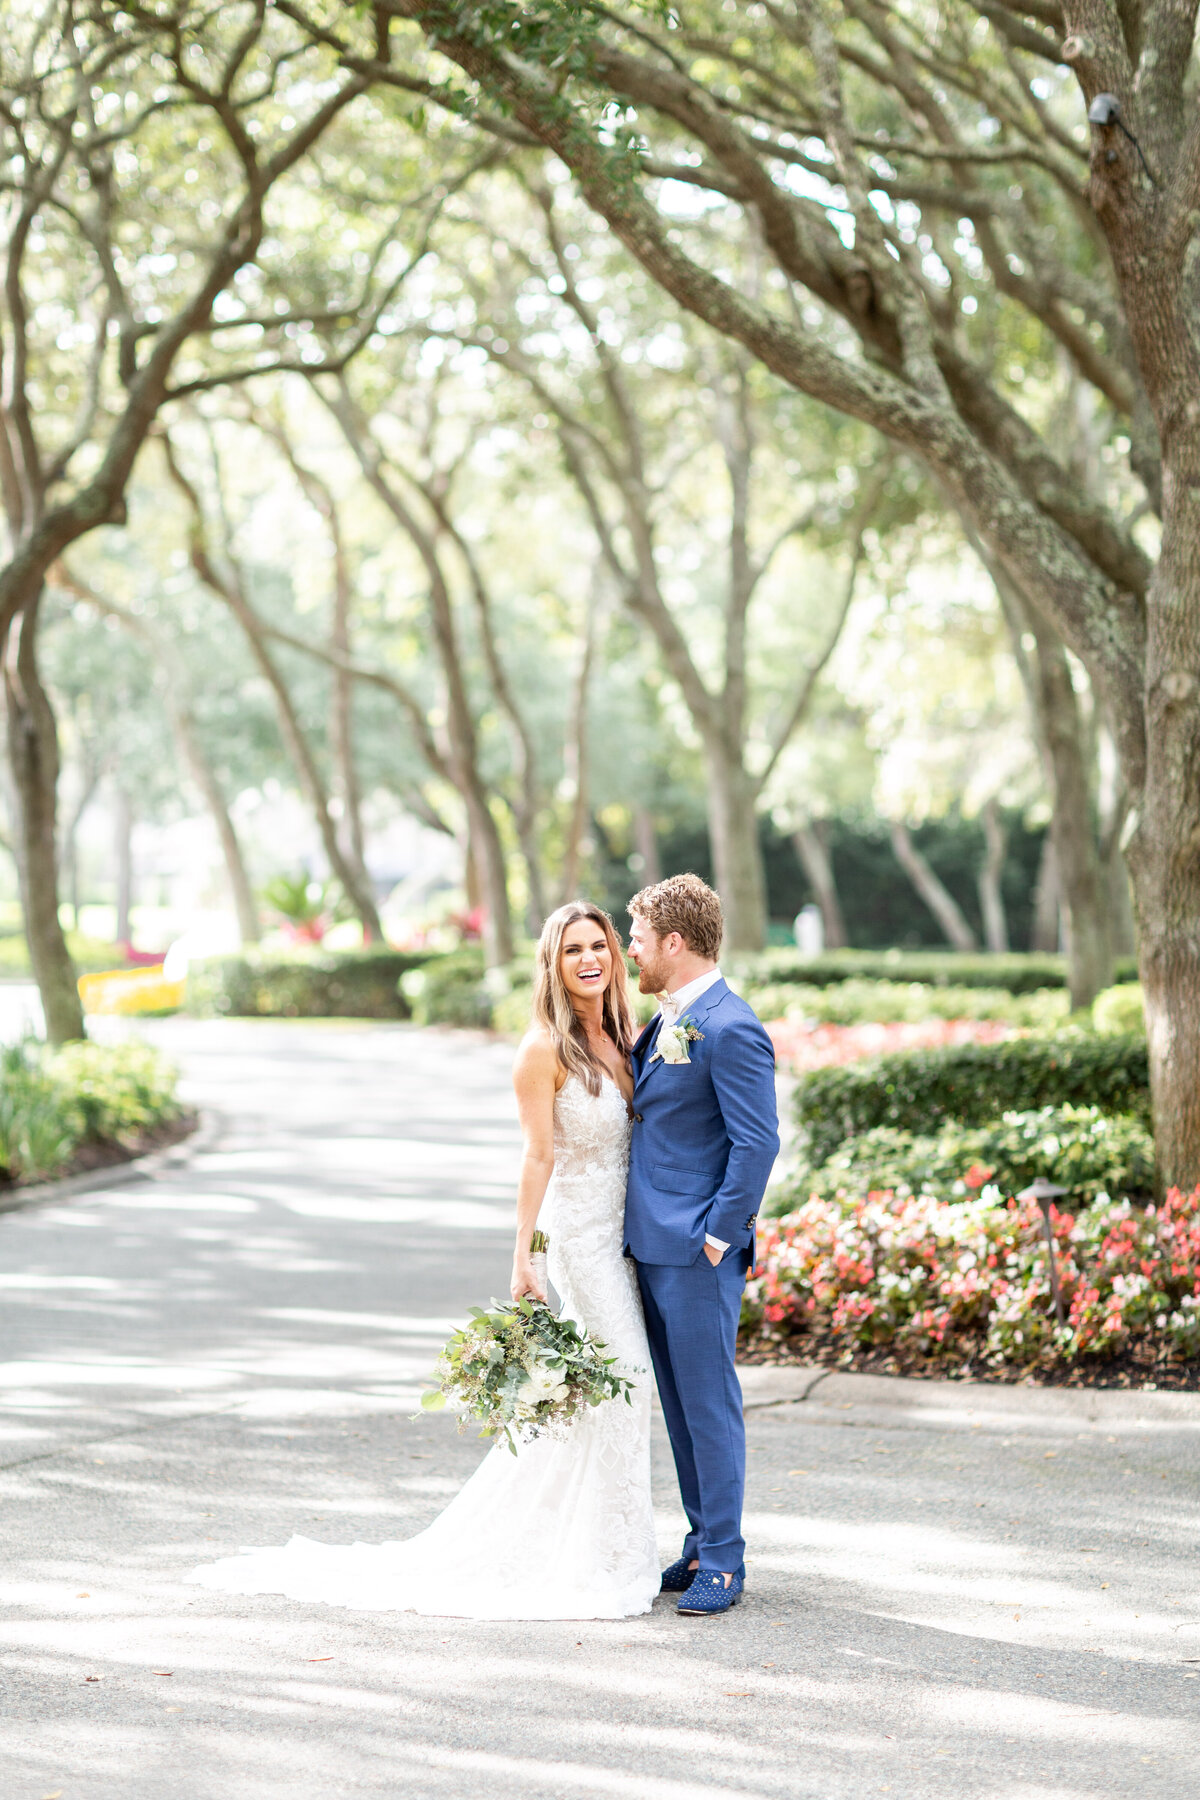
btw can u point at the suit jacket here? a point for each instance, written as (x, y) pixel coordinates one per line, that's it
(705, 1134)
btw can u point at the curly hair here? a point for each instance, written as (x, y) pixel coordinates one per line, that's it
(685, 904)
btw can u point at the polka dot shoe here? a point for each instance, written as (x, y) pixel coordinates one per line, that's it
(678, 1578)
(708, 1593)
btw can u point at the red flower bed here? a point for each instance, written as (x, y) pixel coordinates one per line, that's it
(950, 1279)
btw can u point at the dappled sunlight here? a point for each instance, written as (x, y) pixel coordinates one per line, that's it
(411, 1325)
(234, 1352)
(450, 1215)
(157, 1199)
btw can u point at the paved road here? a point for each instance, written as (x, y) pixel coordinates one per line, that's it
(954, 1592)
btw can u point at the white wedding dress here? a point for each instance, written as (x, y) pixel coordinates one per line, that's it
(564, 1529)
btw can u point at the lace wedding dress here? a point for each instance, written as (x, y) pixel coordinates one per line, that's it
(564, 1529)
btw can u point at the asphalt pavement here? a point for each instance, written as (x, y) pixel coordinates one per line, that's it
(954, 1590)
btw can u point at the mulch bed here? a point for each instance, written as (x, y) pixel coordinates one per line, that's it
(105, 1154)
(1141, 1367)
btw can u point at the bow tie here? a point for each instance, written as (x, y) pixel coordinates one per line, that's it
(669, 1009)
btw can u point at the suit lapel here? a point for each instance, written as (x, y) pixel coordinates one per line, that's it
(708, 999)
(696, 1013)
(642, 1049)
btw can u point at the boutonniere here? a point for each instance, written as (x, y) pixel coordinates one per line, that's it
(673, 1041)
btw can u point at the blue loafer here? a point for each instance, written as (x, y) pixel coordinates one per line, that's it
(708, 1593)
(678, 1578)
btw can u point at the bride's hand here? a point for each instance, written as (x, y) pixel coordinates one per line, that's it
(524, 1281)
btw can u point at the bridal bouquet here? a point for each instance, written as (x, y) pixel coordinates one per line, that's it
(521, 1371)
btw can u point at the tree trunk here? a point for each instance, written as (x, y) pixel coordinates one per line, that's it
(33, 758)
(123, 859)
(488, 857)
(813, 852)
(738, 870)
(460, 722)
(1163, 851)
(204, 776)
(226, 583)
(173, 687)
(1067, 764)
(1077, 856)
(576, 764)
(1046, 935)
(1122, 928)
(357, 887)
(938, 899)
(645, 842)
(991, 900)
(68, 857)
(341, 724)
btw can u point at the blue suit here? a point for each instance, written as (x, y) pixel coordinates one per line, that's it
(705, 1136)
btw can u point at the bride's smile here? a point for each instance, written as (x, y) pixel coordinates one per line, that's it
(585, 962)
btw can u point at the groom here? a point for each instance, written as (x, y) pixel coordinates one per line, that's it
(704, 1139)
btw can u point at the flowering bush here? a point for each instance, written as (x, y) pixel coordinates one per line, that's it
(1084, 1150)
(56, 1104)
(945, 1278)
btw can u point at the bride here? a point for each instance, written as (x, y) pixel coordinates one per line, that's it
(564, 1529)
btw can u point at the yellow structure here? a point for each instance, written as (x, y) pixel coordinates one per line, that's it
(130, 991)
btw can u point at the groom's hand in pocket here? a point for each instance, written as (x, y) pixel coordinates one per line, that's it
(713, 1254)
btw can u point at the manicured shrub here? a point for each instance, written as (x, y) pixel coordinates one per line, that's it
(453, 989)
(857, 1002)
(971, 1083)
(1119, 1009)
(1079, 1147)
(512, 1013)
(305, 984)
(1017, 973)
(949, 1280)
(118, 1091)
(53, 1103)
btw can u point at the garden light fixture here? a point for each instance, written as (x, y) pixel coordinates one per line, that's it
(1045, 1193)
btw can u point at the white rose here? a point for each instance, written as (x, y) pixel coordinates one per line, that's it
(541, 1385)
(672, 1044)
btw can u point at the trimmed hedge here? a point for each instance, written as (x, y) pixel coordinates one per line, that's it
(1084, 1150)
(917, 1090)
(858, 1002)
(312, 984)
(1119, 1009)
(1019, 974)
(451, 990)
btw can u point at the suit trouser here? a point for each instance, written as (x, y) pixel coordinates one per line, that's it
(692, 1321)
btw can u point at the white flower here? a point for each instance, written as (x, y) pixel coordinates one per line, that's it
(672, 1045)
(539, 1385)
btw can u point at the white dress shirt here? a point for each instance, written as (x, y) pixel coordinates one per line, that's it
(673, 1007)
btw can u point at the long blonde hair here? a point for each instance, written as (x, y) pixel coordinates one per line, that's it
(552, 1006)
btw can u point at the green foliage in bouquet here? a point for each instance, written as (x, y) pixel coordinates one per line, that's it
(521, 1370)
(917, 1090)
(1084, 1150)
